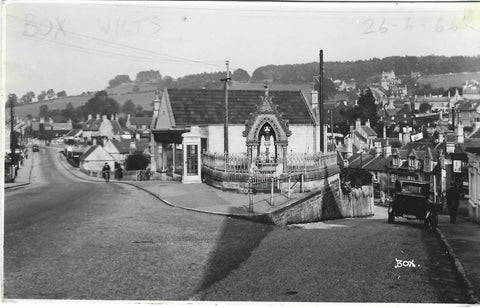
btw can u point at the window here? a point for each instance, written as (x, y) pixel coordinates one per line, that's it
(192, 159)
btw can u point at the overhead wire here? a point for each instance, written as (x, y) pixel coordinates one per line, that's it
(119, 45)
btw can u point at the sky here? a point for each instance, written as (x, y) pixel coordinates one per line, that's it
(80, 46)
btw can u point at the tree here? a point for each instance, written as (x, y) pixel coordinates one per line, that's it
(44, 112)
(128, 107)
(25, 99)
(366, 102)
(425, 107)
(62, 94)
(135, 89)
(139, 110)
(69, 112)
(150, 76)
(50, 94)
(240, 75)
(118, 80)
(41, 96)
(452, 91)
(137, 161)
(100, 103)
(29, 116)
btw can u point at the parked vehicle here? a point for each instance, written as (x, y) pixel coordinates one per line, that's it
(35, 148)
(411, 201)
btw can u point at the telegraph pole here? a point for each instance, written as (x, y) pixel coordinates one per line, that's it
(320, 105)
(11, 99)
(225, 126)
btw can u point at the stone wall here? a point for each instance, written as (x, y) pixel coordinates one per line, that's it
(326, 204)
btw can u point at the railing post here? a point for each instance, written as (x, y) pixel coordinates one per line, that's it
(271, 191)
(301, 183)
(289, 188)
(250, 195)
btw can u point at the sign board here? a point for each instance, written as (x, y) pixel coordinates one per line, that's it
(457, 166)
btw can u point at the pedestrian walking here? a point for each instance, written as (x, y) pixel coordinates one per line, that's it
(453, 199)
(118, 171)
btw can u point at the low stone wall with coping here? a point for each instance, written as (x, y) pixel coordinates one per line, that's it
(327, 203)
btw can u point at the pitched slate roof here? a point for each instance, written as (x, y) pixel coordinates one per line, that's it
(123, 146)
(88, 125)
(379, 163)
(368, 130)
(88, 152)
(73, 132)
(475, 134)
(360, 136)
(197, 107)
(359, 160)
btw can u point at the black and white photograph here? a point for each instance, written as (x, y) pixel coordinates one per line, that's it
(240, 153)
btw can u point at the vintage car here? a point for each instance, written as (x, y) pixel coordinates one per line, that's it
(411, 201)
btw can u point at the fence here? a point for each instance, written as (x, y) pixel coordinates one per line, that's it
(294, 162)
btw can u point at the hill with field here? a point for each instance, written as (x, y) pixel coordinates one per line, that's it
(448, 80)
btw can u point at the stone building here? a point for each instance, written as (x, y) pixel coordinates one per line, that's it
(267, 130)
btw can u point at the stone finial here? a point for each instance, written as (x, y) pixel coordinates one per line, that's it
(266, 90)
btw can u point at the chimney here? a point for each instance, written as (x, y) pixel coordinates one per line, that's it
(349, 143)
(94, 141)
(387, 150)
(441, 138)
(116, 117)
(384, 131)
(133, 146)
(460, 136)
(357, 124)
(378, 150)
(50, 120)
(98, 117)
(367, 123)
(104, 117)
(137, 136)
(89, 117)
(400, 137)
(42, 120)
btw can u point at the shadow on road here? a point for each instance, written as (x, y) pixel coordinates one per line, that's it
(237, 241)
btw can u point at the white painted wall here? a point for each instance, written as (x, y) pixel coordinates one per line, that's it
(301, 140)
(236, 142)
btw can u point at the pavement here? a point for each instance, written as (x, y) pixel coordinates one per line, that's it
(24, 173)
(461, 240)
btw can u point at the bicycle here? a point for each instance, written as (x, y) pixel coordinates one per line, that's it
(106, 176)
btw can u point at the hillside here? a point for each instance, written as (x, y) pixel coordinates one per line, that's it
(448, 80)
(143, 99)
(125, 88)
(363, 70)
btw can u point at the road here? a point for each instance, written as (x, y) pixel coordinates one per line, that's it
(65, 238)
